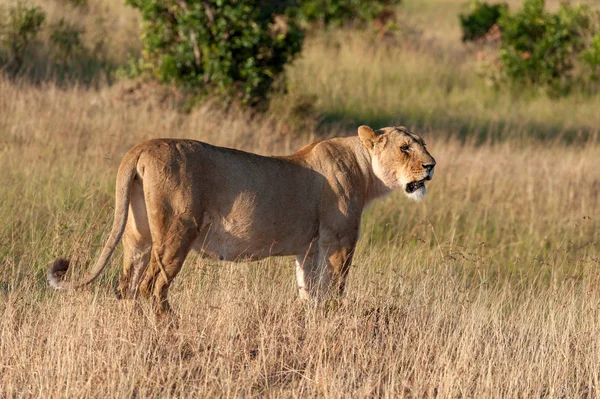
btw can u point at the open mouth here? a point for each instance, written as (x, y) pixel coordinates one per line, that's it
(415, 185)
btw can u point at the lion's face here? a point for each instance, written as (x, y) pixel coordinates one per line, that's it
(400, 159)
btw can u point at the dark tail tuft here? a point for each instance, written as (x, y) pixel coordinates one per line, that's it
(56, 273)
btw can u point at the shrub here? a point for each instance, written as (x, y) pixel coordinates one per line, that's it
(537, 48)
(19, 26)
(232, 48)
(66, 38)
(339, 12)
(541, 48)
(78, 3)
(591, 57)
(481, 19)
(225, 47)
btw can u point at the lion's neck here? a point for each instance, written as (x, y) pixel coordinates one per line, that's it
(375, 187)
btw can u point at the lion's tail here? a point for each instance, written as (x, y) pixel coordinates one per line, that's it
(125, 176)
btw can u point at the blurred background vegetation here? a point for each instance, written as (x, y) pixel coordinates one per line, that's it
(480, 70)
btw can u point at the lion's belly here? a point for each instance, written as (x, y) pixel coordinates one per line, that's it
(242, 240)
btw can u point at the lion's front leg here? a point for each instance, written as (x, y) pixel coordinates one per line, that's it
(307, 274)
(336, 261)
(323, 273)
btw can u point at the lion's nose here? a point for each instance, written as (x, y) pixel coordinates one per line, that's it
(429, 166)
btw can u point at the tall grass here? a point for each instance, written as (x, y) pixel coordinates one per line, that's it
(417, 83)
(486, 288)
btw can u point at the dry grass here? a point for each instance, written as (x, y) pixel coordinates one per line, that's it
(489, 287)
(410, 329)
(486, 288)
(417, 81)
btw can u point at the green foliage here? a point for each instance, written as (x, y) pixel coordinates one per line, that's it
(66, 38)
(541, 48)
(19, 26)
(225, 47)
(591, 57)
(553, 51)
(231, 48)
(59, 55)
(481, 19)
(339, 12)
(78, 3)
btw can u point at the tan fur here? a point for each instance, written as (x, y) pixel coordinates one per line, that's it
(173, 196)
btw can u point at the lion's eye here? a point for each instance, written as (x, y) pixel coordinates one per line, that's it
(405, 148)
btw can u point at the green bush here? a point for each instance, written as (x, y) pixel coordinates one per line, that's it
(232, 48)
(591, 57)
(66, 37)
(78, 3)
(19, 26)
(481, 19)
(339, 12)
(61, 55)
(226, 47)
(541, 48)
(554, 51)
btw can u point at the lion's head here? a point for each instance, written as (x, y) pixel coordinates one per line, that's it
(400, 159)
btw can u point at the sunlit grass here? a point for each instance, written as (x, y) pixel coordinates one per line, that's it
(421, 86)
(486, 288)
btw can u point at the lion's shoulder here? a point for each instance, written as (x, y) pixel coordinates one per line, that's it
(327, 150)
(303, 153)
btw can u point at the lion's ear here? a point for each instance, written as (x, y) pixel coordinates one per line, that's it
(367, 136)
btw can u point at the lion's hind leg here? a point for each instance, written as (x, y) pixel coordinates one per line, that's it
(170, 247)
(137, 246)
(136, 257)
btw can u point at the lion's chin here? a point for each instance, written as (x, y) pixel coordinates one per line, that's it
(415, 190)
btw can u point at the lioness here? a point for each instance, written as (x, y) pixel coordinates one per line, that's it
(176, 195)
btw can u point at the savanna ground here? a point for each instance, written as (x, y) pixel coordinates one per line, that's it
(489, 287)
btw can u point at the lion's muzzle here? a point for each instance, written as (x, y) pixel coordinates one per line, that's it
(416, 189)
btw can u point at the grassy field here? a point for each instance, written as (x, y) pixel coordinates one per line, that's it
(489, 287)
